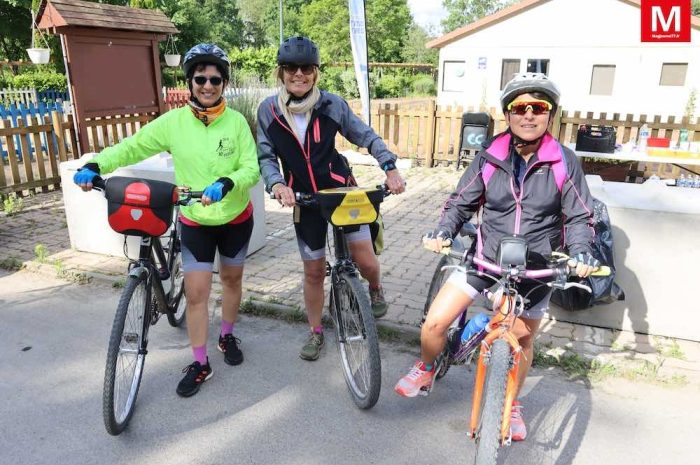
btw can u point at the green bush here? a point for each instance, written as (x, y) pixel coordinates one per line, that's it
(393, 85)
(40, 80)
(424, 85)
(259, 62)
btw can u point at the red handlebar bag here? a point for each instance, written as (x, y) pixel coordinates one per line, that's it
(140, 207)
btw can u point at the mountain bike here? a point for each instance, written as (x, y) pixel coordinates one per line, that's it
(496, 349)
(349, 305)
(143, 208)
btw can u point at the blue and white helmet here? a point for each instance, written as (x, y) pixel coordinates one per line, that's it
(206, 53)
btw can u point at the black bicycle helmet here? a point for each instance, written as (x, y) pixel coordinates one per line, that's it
(206, 53)
(524, 83)
(298, 51)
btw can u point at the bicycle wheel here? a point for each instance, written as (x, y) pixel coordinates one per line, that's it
(436, 283)
(177, 302)
(125, 355)
(488, 435)
(439, 278)
(358, 343)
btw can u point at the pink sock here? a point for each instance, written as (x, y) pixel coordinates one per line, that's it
(317, 329)
(200, 354)
(226, 327)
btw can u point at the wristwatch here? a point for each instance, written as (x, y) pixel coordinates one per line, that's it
(388, 166)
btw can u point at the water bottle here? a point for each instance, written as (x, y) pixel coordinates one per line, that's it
(681, 181)
(696, 182)
(643, 136)
(475, 325)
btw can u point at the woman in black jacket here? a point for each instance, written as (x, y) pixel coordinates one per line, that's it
(297, 128)
(524, 182)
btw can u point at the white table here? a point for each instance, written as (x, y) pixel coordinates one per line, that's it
(641, 157)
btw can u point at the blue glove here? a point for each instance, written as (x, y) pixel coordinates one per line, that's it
(214, 191)
(84, 176)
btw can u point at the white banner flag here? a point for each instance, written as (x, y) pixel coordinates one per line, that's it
(358, 40)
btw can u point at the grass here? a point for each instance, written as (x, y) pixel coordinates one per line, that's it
(672, 350)
(12, 204)
(577, 367)
(41, 252)
(11, 264)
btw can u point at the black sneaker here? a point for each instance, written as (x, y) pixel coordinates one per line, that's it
(229, 346)
(196, 375)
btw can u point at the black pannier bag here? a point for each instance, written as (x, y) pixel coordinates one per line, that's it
(605, 290)
(140, 207)
(593, 138)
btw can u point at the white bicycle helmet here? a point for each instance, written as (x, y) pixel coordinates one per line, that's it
(523, 83)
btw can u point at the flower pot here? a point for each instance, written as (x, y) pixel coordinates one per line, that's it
(39, 56)
(172, 59)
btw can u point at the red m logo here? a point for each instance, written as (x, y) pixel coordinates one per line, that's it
(665, 21)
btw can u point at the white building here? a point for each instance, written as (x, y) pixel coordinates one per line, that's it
(591, 49)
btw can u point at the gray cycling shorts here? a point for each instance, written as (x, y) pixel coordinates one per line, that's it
(307, 254)
(538, 296)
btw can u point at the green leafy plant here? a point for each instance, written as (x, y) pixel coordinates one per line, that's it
(40, 80)
(247, 102)
(41, 252)
(12, 204)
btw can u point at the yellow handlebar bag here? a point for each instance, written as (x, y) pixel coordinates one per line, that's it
(349, 206)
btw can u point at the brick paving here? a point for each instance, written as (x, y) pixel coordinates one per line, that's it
(274, 273)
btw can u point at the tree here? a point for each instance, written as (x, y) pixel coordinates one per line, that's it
(327, 23)
(463, 12)
(199, 21)
(414, 50)
(15, 34)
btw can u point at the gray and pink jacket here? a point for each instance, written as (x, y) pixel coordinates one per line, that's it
(552, 207)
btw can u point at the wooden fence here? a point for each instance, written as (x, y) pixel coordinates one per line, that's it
(418, 130)
(21, 174)
(30, 96)
(431, 134)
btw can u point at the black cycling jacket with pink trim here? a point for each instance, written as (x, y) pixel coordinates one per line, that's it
(315, 164)
(546, 217)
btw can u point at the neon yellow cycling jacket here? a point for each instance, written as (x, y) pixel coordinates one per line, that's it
(201, 155)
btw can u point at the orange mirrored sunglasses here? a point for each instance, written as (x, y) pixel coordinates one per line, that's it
(538, 107)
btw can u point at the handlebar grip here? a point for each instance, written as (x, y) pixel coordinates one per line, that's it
(602, 271)
(99, 183)
(196, 194)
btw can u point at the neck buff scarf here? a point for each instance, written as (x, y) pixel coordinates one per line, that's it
(207, 115)
(290, 104)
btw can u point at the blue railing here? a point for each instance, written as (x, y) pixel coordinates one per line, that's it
(15, 113)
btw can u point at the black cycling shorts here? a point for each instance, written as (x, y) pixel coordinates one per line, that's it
(311, 229)
(200, 243)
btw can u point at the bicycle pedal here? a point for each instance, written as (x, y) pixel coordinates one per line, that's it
(425, 390)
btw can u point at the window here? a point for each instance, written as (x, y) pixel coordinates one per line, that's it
(602, 79)
(673, 74)
(538, 65)
(508, 69)
(453, 76)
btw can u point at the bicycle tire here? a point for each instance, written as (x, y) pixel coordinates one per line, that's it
(436, 283)
(359, 351)
(176, 299)
(488, 439)
(126, 355)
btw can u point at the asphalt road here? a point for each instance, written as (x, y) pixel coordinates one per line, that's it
(278, 409)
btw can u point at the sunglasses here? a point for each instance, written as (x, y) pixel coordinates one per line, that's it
(538, 107)
(292, 69)
(201, 80)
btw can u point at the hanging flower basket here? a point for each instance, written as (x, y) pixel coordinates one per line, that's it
(39, 56)
(172, 59)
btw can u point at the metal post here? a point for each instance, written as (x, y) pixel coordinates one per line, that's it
(281, 24)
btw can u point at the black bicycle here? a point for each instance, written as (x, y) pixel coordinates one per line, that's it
(144, 208)
(349, 304)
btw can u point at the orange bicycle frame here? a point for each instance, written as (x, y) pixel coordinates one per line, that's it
(499, 328)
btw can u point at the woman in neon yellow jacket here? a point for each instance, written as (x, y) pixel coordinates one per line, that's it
(213, 150)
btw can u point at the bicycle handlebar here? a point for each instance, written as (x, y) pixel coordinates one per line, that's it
(187, 195)
(309, 200)
(561, 271)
